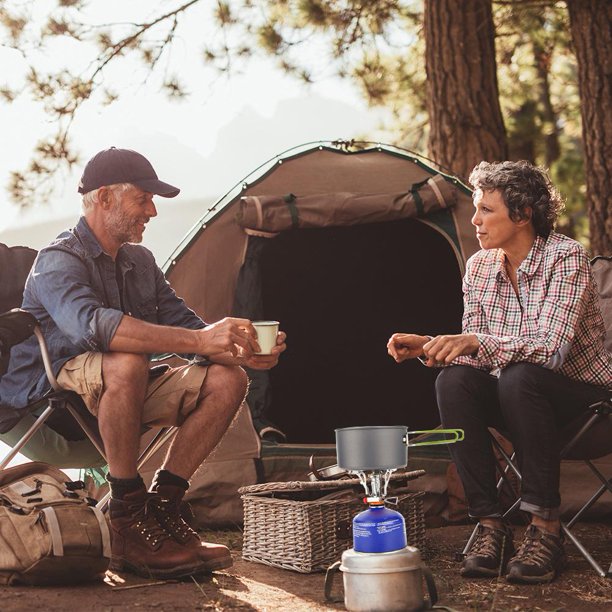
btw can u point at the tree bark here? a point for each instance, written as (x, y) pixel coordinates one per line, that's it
(591, 27)
(466, 124)
(542, 59)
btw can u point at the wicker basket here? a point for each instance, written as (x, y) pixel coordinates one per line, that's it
(305, 526)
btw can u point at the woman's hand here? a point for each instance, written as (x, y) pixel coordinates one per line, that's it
(406, 346)
(442, 350)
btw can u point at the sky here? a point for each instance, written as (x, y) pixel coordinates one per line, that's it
(205, 144)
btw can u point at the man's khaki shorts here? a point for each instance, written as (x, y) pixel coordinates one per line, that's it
(170, 397)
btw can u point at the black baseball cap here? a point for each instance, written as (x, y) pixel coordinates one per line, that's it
(113, 166)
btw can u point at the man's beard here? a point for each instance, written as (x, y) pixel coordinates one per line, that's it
(121, 227)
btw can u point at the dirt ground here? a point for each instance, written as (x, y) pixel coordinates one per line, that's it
(253, 586)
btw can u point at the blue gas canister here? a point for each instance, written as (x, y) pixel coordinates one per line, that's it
(379, 529)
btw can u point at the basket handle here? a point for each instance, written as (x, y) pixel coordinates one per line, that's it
(331, 572)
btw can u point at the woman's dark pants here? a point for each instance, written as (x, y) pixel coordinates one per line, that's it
(527, 403)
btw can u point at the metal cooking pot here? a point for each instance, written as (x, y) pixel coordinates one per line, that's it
(383, 447)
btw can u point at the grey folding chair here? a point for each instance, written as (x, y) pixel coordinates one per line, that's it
(586, 439)
(63, 409)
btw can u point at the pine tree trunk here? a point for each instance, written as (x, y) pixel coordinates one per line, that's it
(542, 59)
(466, 124)
(591, 26)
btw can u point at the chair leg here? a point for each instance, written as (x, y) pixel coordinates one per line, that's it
(592, 500)
(504, 479)
(93, 436)
(508, 459)
(161, 437)
(606, 486)
(607, 482)
(512, 508)
(585, 553)
(26, 437)
(461, 556)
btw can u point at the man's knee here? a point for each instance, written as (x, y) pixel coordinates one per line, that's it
(124, 369)
(231, 380)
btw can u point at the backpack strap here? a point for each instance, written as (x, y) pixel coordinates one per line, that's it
(104, 531)
(54, 530)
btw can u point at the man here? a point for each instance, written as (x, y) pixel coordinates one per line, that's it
(530, 359)
(104, 307)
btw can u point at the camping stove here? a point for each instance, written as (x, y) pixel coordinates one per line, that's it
(377, 529)
(374, 453)
(381, 572)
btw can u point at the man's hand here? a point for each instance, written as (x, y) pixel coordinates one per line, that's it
(406, 346)
(265, 362)
(229, 335)
(442, 350)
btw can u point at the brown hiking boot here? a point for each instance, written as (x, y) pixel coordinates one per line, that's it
(539, 559)
(141, 545)
(168, 513)
(489, 552)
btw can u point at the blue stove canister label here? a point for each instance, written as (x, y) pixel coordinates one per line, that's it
(379, 529)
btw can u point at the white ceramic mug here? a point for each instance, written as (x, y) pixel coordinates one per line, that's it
(266, 335)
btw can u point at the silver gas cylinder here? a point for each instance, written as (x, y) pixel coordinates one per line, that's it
(382, 582)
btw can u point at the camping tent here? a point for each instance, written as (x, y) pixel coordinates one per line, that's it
(344, 244)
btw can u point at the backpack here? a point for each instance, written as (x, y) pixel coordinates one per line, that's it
(50, 531)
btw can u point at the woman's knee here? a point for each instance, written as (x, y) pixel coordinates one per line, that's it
(455, 379)
(458, 393)
(521, 393)
(519, 378)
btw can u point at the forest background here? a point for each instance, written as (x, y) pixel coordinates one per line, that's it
(456, 80)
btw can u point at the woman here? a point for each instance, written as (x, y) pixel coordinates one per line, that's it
(530, 359)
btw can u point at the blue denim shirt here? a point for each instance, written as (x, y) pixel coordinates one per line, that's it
(73, 293)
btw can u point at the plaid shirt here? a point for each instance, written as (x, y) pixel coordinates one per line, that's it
(556, 322)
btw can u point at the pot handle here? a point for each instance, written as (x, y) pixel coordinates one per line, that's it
(332, 570)
(456, 435)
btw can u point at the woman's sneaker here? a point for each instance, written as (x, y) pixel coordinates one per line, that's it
(540, 558)
(489, 552)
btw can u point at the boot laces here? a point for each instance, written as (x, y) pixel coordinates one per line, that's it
(535, 549)
(488, 542)
(147, 524)
(169, 516)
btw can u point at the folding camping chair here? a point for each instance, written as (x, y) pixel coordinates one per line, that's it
(17, 325)
(585, 439)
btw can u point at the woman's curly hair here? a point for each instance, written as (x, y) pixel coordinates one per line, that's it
(522, 186)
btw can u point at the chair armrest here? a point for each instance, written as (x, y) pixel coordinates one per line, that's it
(604, 406)
(15, 326)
